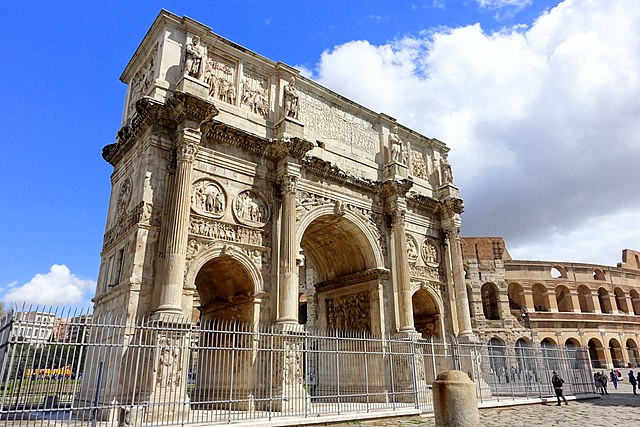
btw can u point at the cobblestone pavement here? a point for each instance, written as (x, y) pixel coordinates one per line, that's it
(619, 408)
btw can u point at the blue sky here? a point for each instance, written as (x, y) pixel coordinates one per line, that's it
(63, 100)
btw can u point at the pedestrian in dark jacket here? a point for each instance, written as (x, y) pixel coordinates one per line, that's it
(558, 383)
(614, 379)
(634, 382)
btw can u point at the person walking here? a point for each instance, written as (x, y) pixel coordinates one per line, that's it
(614, 379)
(634, 382)
(603, 379)
(558, 382)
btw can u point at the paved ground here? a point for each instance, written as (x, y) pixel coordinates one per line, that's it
(619, 408)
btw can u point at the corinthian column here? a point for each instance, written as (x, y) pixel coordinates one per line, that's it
(178, 222)
(451, 227)
(288, 292)
(401, 268)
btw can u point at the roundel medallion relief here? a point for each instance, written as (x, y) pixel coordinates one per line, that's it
(251, 208)
(412, 248)
(208, 198)
(430, 253)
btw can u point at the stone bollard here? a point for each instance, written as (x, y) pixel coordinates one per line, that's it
(454, 400)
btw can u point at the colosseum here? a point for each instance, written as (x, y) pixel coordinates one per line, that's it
(517, 302)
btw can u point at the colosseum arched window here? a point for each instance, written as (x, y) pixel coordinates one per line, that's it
(604, 300)
(540, 297)
(489, 293)
(585, 299)
(635, 301)
(598, 274)
(516, 298)
(632, 352)
(621, 300)
(615, 350)
(563, 299)
(558, 272)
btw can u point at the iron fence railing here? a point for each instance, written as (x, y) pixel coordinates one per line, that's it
(167, 371)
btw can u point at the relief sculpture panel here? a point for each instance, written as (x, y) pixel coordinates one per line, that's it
(330, 122)
(430, 254)
(349, 313)
(208, 198)
(251, 208)
(254, 95)
(220, 75)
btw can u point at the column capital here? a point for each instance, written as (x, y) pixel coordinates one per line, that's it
(287, 184)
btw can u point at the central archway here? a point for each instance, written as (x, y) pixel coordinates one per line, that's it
(340, 272)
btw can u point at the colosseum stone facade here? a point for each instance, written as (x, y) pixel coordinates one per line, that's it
(554, 303)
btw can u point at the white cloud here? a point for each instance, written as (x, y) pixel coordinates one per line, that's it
(58, 287)
(497, 4)
(543, 119)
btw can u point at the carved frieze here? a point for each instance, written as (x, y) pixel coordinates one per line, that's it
(124, 196)
(349, 312)
(419, 167)
(230, 232)
(142, 80)
(169, 370)
(142, 214)
(430, 254)
(326, 169)
(254, 94)
(208, 198)
(330, 122)
(251, 208)
(424, 272)
(220, 75)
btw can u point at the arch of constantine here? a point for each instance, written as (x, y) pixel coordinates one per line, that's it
(244, 191)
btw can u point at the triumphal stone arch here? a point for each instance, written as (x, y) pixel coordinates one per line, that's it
(244, 191)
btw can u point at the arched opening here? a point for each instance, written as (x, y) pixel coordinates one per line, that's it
(604, 301)
(426, 315)
(550, 354)
(302, 309)
(621, 300)
(498, 358)
(558, 272)
(596, 353)
(635, 301)
(339, 267)
(585, 299)
(632, 353)
(540, 298)
(525, 358)
(226, 291)
(516, 297)
(563, 299)
(472, 312)
(615, 350)
(490, 308)
(598, 274)
(227, 316)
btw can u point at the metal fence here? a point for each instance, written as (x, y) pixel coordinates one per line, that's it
(171, 372)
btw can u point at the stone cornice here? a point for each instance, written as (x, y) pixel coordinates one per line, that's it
(326, 169)
(418, 200)
(453, 204)
(222, 133)
(148, 110)
(395, 187)
(353, 279)
(288, 147)
(179, 108)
